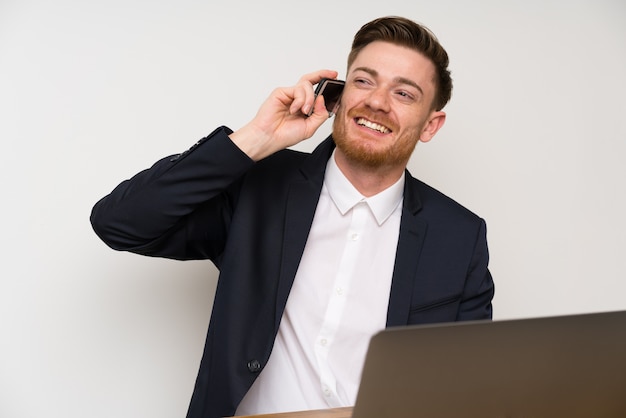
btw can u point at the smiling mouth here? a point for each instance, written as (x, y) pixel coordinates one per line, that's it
(373, 126)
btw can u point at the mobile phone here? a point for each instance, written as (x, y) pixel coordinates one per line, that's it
(331, 90)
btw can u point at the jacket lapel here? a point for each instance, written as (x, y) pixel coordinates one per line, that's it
(410, 241)
(301, 204)
(302, 199)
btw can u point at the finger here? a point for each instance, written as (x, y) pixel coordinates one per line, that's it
(302, 98)
(320, 113)
(317, 76)
(307, 82)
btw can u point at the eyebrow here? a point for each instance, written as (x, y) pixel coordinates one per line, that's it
(397, 80)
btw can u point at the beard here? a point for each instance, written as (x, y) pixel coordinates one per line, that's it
(369, 153)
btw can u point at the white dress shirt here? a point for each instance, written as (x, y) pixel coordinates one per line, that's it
(339, 299)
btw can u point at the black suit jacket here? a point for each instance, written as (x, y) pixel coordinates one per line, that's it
(252, 220)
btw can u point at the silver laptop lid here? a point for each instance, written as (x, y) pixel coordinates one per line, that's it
(566, 366)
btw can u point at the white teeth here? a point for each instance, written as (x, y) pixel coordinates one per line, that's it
(372, 125)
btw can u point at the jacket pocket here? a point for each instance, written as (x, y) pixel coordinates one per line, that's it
(436, 304)
(442, 310)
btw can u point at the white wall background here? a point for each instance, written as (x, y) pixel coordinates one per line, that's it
(92, 92)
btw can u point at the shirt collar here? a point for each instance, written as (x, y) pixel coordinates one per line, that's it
(345, 196)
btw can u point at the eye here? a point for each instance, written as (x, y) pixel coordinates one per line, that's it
(405, 95)
(362, 82)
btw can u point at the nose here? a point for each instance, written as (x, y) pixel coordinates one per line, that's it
(378, 99)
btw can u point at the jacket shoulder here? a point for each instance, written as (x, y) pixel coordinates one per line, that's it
(436, 205)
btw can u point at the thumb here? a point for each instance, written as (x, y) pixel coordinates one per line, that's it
(317, 118)
(320, 113)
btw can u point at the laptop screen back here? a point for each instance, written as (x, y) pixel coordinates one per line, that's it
(568, 366)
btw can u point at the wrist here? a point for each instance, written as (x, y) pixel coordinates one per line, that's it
(253, 142)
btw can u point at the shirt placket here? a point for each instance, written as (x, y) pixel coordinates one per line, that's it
(337, 302)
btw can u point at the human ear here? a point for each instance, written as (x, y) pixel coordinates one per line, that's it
(434, 123)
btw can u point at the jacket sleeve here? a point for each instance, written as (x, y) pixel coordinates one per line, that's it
(179, 208)
(479, 287)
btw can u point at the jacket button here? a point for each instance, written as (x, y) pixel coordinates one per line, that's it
(254, 366)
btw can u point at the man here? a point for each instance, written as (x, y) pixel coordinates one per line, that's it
(318, 251)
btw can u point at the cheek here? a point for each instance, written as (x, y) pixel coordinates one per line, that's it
(351, 97)
(412, 123)
(409, 136)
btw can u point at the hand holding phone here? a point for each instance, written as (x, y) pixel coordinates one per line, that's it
(331, 90)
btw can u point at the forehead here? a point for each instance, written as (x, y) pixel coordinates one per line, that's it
(391, 61)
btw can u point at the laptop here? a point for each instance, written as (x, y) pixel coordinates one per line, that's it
(564, 366)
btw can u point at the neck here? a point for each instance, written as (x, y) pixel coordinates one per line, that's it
(369, 181)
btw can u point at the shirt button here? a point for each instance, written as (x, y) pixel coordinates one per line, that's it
(340, 291)
(354, 237)
(324, 341)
